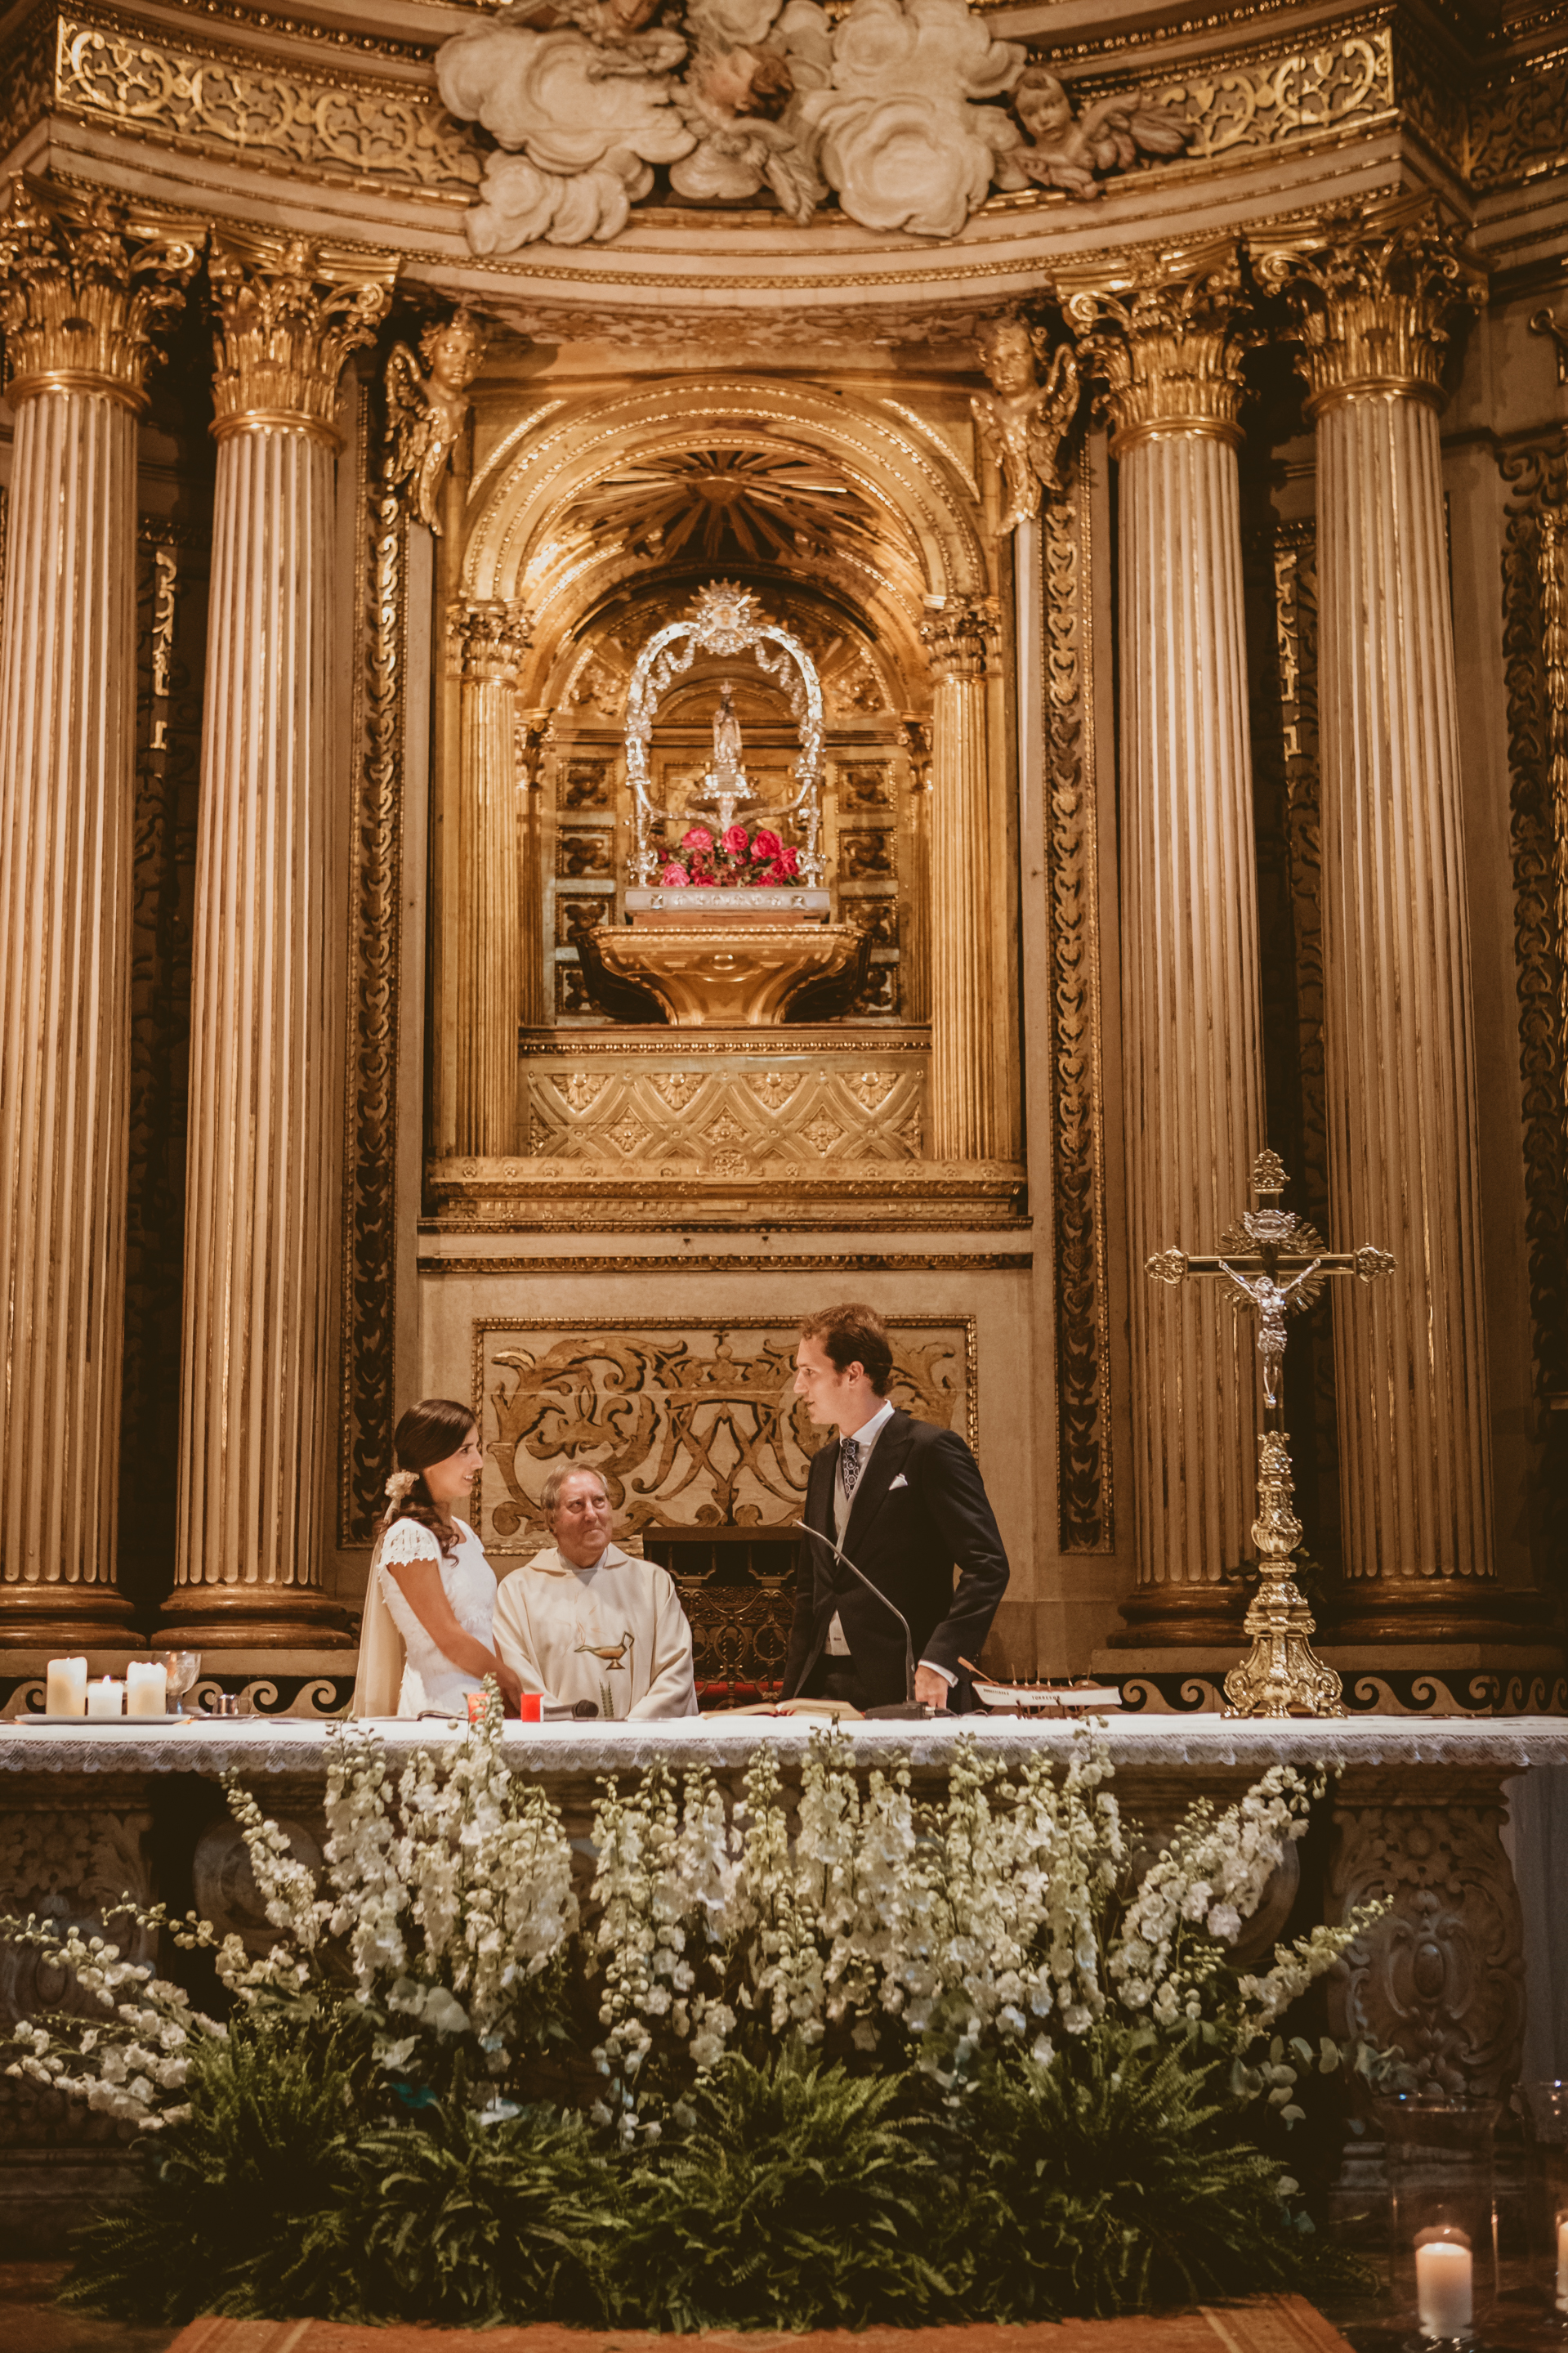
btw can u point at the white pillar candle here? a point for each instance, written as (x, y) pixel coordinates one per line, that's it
(64, 1687)
(146, 1688)
(1444, 2302)
(1562, 2262)
(105, 1697)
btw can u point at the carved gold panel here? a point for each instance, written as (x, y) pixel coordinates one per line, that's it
(350, 126)
(725, 1121)
(691, 1425)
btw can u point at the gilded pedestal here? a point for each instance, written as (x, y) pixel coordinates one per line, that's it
(266, 1022)
(1166, 340)
(82, 284)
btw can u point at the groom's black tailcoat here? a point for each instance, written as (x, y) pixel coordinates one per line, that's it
(919, 1511)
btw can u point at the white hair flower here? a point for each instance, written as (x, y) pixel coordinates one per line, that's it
(398, 1485)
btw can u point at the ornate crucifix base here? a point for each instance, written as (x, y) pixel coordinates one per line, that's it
(1282, 1675)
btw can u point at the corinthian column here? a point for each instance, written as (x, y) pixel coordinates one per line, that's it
(265, 1023)
(82, 283)
(963, 1120)
(489, 641)
(1374, 293)
(1165, 339)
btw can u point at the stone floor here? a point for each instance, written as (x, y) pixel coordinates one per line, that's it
(32, 2322)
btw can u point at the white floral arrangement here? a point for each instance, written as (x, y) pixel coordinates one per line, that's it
(1008, 1913)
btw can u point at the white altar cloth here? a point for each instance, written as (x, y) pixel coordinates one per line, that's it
(1147, 1743)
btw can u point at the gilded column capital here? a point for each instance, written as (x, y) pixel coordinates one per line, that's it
(960, 633)
(289, 312)
(490, 637)
(1374, 289)
(84, 282)
(1165, 334)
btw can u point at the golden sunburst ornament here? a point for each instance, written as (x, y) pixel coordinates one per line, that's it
(759, 506)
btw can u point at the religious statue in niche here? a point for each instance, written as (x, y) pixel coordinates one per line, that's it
(907, 112)
(425, 414)
(1021, 420)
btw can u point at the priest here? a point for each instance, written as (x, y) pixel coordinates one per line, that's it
(583, 1620)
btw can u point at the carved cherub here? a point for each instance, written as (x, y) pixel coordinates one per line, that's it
(425, 414)
(734, 99)
(1070, 150)
(1021, 420)
(626, 32)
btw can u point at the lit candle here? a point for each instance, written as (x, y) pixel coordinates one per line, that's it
(146, 1688)
(64, 1687)
(105, 1697)
(1443, 2301)
(1562, 2262)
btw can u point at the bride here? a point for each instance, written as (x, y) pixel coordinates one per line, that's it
(426, 1638)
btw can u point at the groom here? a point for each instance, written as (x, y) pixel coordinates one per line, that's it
(903, 1499)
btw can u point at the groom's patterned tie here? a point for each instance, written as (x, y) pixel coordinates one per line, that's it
(849, 1464)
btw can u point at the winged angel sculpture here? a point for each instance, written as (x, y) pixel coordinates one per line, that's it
(906, 110)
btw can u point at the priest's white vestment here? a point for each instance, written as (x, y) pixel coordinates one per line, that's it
(614, 1633)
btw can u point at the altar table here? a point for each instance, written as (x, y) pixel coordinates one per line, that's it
(1416, 1814)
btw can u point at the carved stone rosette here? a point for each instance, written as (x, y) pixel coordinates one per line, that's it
(1165, 339)
(266, 1019)
(960, 634)
(1373, 303)
(81, 287)
(489, 638)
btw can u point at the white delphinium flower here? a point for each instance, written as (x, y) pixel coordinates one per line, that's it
(133, 2062)
(286, 1888)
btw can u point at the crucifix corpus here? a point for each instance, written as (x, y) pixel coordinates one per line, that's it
(1275, 1263)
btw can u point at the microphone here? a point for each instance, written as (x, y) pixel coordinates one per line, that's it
(911, 1706)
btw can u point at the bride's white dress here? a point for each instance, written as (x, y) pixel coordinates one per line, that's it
(429, 1678)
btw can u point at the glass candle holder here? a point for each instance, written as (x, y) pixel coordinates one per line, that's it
(1546, 2106)
(1442, 2211)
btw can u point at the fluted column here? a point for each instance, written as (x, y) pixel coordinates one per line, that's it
(489, 642)
(962, 1118)
(1165, 339)
(1376, 293)
(265, 1023)
(83, 285)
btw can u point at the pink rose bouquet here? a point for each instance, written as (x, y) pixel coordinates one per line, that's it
(751, 859)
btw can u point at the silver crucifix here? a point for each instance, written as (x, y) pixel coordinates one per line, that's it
(1276, 1262)
(1269, 1244)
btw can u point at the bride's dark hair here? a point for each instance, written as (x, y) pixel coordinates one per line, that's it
(429, 1432)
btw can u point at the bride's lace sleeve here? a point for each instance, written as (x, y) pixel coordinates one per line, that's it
(408, 1540)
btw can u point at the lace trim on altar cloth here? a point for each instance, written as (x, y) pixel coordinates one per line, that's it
(1200, 1745)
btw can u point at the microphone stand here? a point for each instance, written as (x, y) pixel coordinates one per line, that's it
(911, 1706)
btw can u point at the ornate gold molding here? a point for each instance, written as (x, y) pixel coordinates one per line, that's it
(1373, 288)
(370, 1183)
(289, 312)
(351, 129)
(1537, 522)
(1085, 1494)
(490, 638)
(578, 1197)
(1165, 334)
(84, 282)
(961, 634)
(746, 1262)
(724, 1121)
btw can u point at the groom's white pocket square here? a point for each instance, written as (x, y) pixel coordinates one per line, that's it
(900, 1482)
